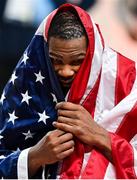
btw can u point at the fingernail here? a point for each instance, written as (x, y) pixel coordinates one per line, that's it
(54, 123)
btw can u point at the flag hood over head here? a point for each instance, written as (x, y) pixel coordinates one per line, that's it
(94, 50)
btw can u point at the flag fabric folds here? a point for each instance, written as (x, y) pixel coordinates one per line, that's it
(106, 85)
(27, 105)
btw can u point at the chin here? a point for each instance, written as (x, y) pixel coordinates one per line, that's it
(65, 86)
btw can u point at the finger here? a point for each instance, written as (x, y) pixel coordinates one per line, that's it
(68, 106)
(68, 113)
(56, 133)
(65, 137)
(65, 154)
(66, 120)
(64, 127)
(65, 146)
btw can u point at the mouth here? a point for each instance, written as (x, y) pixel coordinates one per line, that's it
(66, 83)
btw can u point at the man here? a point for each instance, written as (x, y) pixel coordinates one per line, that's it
(92, 133)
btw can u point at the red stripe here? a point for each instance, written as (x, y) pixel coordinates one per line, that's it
(80, 82)
(128, 123)
(123, 158)
(71, 167)
(90, 101)
(126, 74)
(97, 162)
(75, 161)
(96, 166)
(102, 40)
(127, 130)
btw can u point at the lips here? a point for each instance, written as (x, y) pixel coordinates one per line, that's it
(67, 82)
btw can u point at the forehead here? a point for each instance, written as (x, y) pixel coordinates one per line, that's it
(63, 45)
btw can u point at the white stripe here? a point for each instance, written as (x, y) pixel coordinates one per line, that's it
(113, 118)
(135, 83)
(106, 95)
(109, 59)
(41, 29)
(110, 172)
(94, 74)
(85, 161)
(124, 107)
(22, 164)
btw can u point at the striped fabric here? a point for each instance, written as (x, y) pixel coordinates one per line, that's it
(106, 85)
(108, 90)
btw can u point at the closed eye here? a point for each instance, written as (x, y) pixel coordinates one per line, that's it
(56, 61)
(77, 62)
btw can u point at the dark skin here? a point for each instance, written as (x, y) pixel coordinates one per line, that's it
(73, 119)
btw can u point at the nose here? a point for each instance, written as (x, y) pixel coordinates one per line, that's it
(66, 71)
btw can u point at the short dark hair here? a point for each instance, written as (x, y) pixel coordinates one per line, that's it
(66, 25)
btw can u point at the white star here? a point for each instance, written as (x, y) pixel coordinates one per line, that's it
(12, 117)
(54, 98)
(2, 157)
(18, 149)
(1, 137)
(13, 77)
(28, 135)
(2, 98)
(26, 97)
(43, 117)
(25, 58)
(39, 77)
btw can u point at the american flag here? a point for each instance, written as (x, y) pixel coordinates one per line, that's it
(27, 104)
(106, 85)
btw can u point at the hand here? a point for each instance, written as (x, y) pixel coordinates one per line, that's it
(77, 120)
(53, 147)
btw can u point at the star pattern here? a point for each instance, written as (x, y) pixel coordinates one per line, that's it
(54, 98)
(12, 117)
(25, 58)
(43, 117)
(39, 77)
(28, 135)
(13, 77)
(27, 103)
(26, 97)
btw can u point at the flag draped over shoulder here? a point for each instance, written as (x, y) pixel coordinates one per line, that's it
(105, 85)
(27, 105)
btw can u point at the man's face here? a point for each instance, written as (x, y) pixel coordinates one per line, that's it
(66, 57)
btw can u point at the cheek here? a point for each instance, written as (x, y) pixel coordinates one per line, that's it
(56, 67)
(76, 68)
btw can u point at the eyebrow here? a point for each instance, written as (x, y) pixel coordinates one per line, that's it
(80, 54)
(54, 54)
(57, 55)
